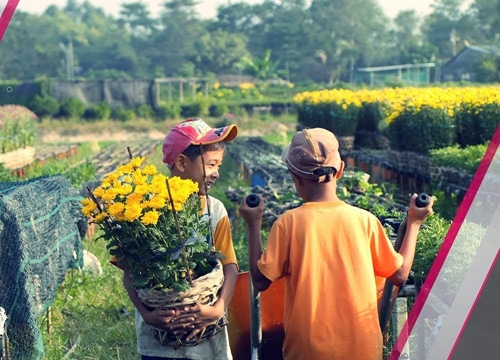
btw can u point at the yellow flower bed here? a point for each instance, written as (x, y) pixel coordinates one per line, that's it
(445, 103)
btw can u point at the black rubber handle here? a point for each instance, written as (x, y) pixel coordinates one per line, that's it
(422, 200)
(253, 200)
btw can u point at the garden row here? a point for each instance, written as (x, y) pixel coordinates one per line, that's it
(412, 119)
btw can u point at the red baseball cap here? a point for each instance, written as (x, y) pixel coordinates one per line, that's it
(193, 132)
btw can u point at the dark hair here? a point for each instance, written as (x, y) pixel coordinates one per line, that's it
(193, 151)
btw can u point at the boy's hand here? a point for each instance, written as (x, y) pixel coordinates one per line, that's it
(252, 215)
(160, 319)
(196, 318)
(419, 215)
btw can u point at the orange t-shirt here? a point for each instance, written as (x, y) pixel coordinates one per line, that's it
(330, 254)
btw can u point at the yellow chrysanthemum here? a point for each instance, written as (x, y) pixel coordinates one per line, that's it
(125, 169)
(99, 192)
(137, 161)
(150, 218)
(116, 209)
(89, 209)
(156, 202)
(142, 189)
(86, 201)
(134, 198)
(138, 178)
(109, 194)
(100, 217)
(149, 170)
(124, 189)
(132, 212)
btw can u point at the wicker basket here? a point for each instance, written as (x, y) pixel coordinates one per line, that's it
(203, 292)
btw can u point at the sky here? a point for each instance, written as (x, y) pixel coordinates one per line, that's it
(208, 8)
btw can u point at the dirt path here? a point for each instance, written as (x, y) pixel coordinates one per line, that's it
(53, 136)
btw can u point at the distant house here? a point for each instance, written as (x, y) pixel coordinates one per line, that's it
(461, 67)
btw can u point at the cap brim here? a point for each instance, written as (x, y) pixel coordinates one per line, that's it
(284, 154)
(226, 133)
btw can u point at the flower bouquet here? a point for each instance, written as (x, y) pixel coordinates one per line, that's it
(153, 226)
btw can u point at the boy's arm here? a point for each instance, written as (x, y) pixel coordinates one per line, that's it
(260, 282)
(157, 318)
(416, 217)
(253, 218)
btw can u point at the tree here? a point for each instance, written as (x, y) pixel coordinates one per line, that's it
(261, 68)
(348, 33)
(135, 16)
(219, 51)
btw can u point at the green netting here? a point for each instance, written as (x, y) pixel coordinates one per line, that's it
(41, 231)
(415, 76)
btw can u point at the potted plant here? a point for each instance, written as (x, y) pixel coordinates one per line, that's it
(152, 225)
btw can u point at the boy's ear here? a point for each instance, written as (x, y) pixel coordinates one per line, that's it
(180, 162)
(339, 173)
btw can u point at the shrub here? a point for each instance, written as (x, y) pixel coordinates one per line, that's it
(72, 108)
(17, 128)
(199, 108)
(219, 110)
(168, 111)
(145, 111)
(476, 123)
(122, 114)
(466, 159)
(421, 130)
(101, 111)
(44, 106)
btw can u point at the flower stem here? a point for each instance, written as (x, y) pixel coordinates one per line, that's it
(184, 256)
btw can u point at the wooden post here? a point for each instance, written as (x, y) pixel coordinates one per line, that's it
(169, 92)
(157, 90)
(399, 317)
(181, 95)
(194, 90)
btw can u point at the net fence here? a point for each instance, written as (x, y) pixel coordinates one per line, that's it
(41, 231)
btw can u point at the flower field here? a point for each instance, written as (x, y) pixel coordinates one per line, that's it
(414, 119)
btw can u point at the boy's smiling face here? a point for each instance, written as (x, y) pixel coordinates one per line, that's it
(194, 169)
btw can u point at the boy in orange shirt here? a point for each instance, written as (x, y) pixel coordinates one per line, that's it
(193, 150)
(330, 254)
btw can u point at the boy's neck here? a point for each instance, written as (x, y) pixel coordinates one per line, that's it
(323, 192)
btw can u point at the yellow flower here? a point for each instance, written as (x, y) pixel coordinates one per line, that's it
(116, 209)
(99, 192)
(88, 209)
(142, 189)
(149, 170)
(109, 194)
(138, 178)
(137, 161)
(132, 212)
(125, 169)
(150, 218)
(134, 198)
(100, 217)
(156, 202)
(124, 189)
(86, 201)
(177, 206)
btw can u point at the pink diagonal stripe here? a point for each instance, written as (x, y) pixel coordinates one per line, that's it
(7, 14)
(447, 244)
(473, 306)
